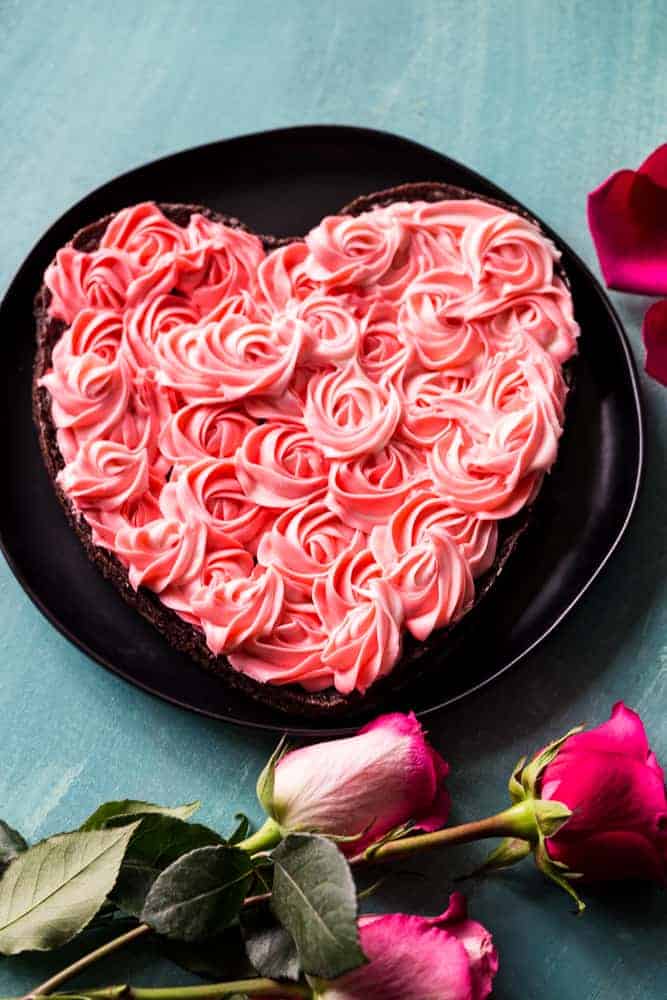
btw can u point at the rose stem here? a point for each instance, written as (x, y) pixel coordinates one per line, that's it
(212, 991)
(514, 822)
(61, 977)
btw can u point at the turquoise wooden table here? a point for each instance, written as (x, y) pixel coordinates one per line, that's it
(544, 98)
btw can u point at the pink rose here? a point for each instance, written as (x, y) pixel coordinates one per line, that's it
(615, 788)
(420, 958)
(369, 783)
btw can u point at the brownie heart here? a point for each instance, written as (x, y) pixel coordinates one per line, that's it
(292, 456)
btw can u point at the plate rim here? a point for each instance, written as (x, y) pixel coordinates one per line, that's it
(630, 364)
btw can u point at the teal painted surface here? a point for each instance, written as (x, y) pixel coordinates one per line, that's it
(544, 98)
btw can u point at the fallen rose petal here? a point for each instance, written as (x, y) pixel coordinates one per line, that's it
(627, 215)
(654, 332)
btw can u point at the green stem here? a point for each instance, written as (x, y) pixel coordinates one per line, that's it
(49, 985)
(517, 821)
(264, 839)
(212, 991)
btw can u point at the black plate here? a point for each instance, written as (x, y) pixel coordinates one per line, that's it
(283, 182)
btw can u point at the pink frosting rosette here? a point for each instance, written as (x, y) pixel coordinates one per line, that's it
(333, 330)
(494, 475)
(291, 653)
(434, 583)
(282, 276)
(203, 430)
(349, 415)
(425, 513)
(345, 584)
(545, 315)
(303, 543)
(151, 319)
(144, 233)
(506, 255)
(89, 384)
(101, 280)
(230, 359)
(226, 561)
(279, 465)
(366, 490)
(162, 553)
(366, 644)
(348, 250)
(206, 271)
(383, 351)
(234, 611)
(209, 491)
(431, 400)
(105, 475)
(441, 341)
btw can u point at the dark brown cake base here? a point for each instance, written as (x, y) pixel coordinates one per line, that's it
(416, 658)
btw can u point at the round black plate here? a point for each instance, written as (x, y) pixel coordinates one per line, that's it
(283, 182)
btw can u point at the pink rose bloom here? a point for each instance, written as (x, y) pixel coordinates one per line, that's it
(369, 783)
(613, 784)
(420, 958)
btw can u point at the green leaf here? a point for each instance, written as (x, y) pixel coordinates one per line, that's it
(220, 958)
(241, 830)
(200, 894)
(51, 891)
(127, 810)
(157, 843)
(11, 844)
(266, 778)
(314, 898)
(270, 947)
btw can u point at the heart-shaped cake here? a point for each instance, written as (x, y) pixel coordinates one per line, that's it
(304, 459)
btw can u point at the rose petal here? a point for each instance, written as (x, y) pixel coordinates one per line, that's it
(627, 215)
(623, 733)
(605, 792)
(476, 940)
(613, 856)
(409, 959)
(654, 332)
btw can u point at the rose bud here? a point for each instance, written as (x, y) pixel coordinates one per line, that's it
(357, 789)
(615, 788)
(419, 958)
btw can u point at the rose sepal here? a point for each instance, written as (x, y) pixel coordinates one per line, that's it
(534, 821)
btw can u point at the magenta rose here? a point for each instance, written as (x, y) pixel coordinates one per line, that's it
(419, 958)
(613, 784)
(366, 784)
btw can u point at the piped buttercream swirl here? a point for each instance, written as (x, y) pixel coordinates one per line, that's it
(307, 452)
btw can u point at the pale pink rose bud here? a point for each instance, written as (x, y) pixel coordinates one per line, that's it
(367, 784)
